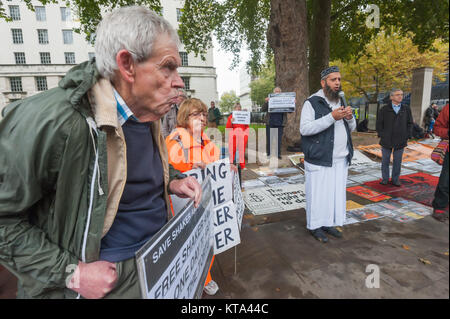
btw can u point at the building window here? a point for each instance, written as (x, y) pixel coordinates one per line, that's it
(45, 57)
(40, 13)
(14, 12)
(43, 36)
(91, 55)
(17, 36)
(65, 14)
(67, 37)
(179, 14)
(187, 84)
(16, 84)
(184, 59)
(20, 57)
(70, 57)
(41, 83)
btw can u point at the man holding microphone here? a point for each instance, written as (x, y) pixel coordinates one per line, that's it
(326, 125)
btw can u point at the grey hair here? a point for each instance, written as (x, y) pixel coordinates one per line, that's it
(391, 93)
(133, 28)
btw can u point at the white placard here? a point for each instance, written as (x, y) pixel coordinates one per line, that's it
(226, 231)
(221, 192)
(282, 102)
(241, 117)
(221, 183)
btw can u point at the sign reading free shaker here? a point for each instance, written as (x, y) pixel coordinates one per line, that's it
(175, 262)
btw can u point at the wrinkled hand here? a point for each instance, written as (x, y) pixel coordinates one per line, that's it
(232, 119)
(187, 188)
(348, 112)
(94, 280)
(234, 168)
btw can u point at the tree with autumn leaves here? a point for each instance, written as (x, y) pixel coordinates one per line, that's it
(388, 61)
(302, 36)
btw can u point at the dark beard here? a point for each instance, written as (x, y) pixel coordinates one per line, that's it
(331, 95)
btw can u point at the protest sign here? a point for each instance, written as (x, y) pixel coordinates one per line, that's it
(175, 262)
(282, 102)
(275, 199)
(226, 231)
(221, 193)
(241, 117)
(221, 183)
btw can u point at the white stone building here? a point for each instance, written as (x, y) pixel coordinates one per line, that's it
(39, 47)
(244, 90)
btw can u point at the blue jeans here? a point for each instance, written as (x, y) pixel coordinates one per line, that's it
(397, 165)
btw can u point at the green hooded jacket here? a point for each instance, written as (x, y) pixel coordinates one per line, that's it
(52, 186)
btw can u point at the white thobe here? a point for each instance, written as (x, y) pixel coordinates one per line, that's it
(326, 186)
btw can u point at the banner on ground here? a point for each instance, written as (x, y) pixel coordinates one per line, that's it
(267, 200)
(241, 117)
(282, 102)
(175, 262)
(412, 152)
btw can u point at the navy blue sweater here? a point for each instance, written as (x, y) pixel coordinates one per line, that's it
(142, 209)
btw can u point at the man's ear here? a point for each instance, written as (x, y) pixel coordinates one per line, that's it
(322, 83)
(126, 66)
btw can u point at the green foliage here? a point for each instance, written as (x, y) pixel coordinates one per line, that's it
(227, 101)
(388, 61)
(264, 84)
(233, 22)
(244, 22)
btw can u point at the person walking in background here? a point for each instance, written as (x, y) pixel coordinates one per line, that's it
(325, 127)
(169, 121)
(275, 123)
(394, 127)
(440, 201)
(214, 115)
(238, 138)
(431, 114)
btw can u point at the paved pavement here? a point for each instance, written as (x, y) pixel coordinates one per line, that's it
(278, 258)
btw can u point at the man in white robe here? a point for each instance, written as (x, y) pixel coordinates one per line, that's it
(326, 127)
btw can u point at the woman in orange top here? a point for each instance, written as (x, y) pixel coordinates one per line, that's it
(238, 138)
(189, 147)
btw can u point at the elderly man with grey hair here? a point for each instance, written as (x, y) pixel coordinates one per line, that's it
(84, 176)
(326, 126)
(394, 127)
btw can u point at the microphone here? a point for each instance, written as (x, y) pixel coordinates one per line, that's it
(342, 96)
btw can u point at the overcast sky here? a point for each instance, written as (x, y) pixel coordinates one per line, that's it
(227, 79)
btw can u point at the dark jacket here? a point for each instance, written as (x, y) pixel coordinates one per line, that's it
(394, 129)
(275, 119)
(52, 186)
(430, 114)
(318, 148)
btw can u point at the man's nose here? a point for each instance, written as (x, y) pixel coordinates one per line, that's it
(178, 82)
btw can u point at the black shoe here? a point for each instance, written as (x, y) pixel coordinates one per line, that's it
(397, 183)
(383, 182)
(279, 157)
(333, 231)
(439, 215)
(319, 235)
